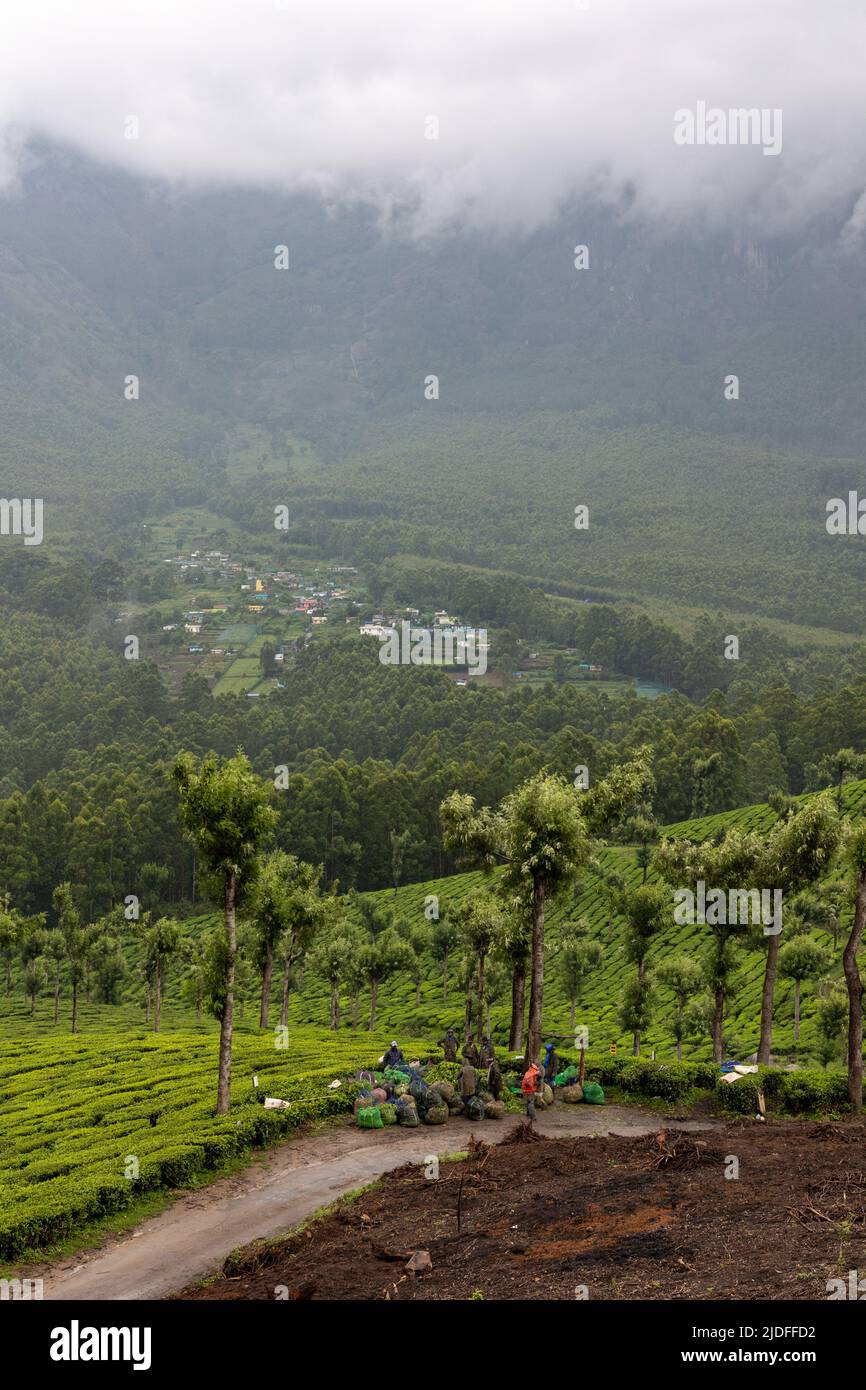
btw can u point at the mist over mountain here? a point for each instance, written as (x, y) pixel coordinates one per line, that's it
(182, 289)
(556, 384)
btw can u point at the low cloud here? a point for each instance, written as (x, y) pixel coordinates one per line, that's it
(537, 104)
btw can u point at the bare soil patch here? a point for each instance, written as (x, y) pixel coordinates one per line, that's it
(652, 1216)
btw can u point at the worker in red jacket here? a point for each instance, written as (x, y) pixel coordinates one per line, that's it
(530, 1087)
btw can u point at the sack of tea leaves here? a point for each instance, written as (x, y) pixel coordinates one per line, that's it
(474, 1108)
(370, 1118)
(572, 1095)
(593, 1093)
(436, 1114)
(445, 1090)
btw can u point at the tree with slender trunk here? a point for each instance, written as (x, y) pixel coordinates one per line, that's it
(332, 960)
(856, 856)
(194, 983)
(647, 910)
(55, 954)
(443, 941)
(726, 864)
(799, 850)
(542, 835)
(684, 978)
(286, 911)
(799, 960)
(636, 1008)
(467, 981)
(78, 939)
(578, 959)
(642, 830)
(225, 809)
(33, 944)
(354, 981)
(819, 909)
(11, 934)
(518, 1004)
(497, 984)
(163, 941)
(832, 1021)
(479, 919)
(512, 948)
(399, 844)
(418, 943)
(380, 959)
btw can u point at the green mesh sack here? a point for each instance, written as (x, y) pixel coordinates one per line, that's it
(407, 1115)
(474, 1108)
(370, 1118)
(388, 1113)
(436, 1115)
(566, 1077)
(494, 1110)
(592, 1092)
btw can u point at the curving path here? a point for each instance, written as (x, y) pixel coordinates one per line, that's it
(190, 1239)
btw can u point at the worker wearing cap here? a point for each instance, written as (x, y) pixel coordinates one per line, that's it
(392, 1056)
(449, 1045)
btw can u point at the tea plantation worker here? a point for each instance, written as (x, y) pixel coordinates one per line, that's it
(488, 1052)
(470, 1053)
(494, 1079)
(449, 1045)
(392, 1056)
(551, 1065)
(529, 1086)
(468, 1081)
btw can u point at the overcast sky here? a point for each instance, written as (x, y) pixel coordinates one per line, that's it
(536, 101)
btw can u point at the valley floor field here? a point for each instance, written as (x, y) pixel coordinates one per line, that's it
(652, 1214)
(191, 1239)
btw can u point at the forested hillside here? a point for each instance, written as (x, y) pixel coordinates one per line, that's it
(87, 739)
(557, 387)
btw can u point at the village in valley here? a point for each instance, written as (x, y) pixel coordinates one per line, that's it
(235, 608)
(236, 612)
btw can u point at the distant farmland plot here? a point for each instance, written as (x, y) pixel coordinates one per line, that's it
(243, 674)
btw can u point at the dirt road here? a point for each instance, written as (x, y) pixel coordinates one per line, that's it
(638, 1217)
(190, 1240)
